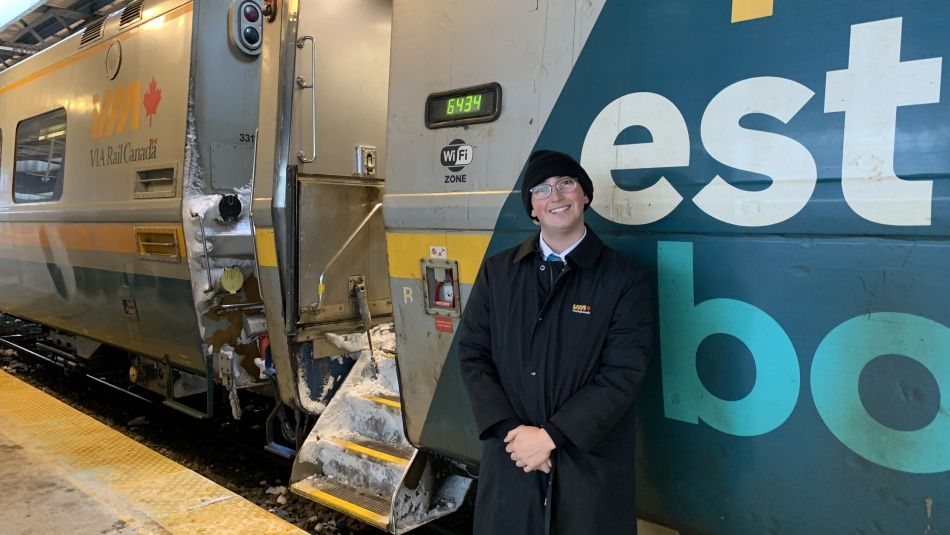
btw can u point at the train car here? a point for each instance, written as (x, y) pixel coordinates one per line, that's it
(779, 167)
(126, 224)
(127, 155)
(127, 227)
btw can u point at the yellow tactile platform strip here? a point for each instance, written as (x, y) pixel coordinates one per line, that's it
(131, 479)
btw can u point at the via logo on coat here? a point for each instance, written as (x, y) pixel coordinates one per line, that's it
(581, 309)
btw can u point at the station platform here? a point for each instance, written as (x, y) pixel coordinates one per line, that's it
(65, 472)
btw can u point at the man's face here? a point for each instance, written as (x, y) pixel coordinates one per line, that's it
(562, 212)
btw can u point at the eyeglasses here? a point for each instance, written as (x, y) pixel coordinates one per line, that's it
(543, 191)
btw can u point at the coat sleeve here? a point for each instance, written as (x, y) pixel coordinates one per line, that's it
(597, 407)
(490, 404)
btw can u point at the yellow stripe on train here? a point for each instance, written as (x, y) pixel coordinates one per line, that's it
(407, 250)
(743, 10)
(94, 237)
(266, 247)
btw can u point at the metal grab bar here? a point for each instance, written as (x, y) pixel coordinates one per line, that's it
(302, 84)
(321, 288)
(204, 242)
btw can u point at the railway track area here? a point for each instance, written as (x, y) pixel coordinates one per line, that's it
(228, 452)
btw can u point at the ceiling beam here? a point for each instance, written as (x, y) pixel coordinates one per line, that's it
(62, 22)
(21, 49)
(68, 13)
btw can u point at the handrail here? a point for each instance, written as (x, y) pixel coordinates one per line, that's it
(321, 288)
(302, 83)
(204, 242)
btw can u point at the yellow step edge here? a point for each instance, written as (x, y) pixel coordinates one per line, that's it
(376, 454)
(308, 491)
(384, 401)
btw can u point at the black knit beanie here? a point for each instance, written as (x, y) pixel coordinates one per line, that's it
(544, 164)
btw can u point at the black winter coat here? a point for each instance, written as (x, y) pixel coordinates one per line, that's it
(574, 361)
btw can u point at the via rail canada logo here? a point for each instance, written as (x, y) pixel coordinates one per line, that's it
(454, 157)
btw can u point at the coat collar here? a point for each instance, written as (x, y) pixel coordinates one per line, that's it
(584, 255)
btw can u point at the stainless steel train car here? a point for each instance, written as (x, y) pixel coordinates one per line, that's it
(127, 154)
(127, 228)
(779, 166)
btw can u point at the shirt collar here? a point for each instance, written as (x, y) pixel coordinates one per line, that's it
(584, 254)
(546, 250)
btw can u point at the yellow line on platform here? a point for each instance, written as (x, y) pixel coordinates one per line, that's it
(129, 478)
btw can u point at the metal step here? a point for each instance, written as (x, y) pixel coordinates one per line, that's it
(280, 449)
(380, 451)
(385, 399)
(362, 505)
(357, 460)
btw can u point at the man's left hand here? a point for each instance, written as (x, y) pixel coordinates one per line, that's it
(530, 447)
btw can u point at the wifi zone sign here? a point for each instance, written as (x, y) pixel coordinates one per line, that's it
(455, 156)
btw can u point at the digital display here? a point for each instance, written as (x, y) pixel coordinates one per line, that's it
(469, 105)
(465, 104)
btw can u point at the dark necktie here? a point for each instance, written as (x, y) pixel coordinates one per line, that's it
(550, 269)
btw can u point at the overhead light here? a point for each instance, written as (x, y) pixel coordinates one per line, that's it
(14, 10)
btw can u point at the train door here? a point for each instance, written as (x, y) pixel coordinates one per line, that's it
(337, 153)
(318, 182)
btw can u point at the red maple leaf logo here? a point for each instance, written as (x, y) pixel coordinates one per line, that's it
(152, 97)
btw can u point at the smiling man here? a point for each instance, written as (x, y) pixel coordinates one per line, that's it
(554, 342)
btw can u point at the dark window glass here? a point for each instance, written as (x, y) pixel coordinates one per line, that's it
(40, 157)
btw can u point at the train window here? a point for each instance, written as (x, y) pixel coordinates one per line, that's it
(39, 158)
